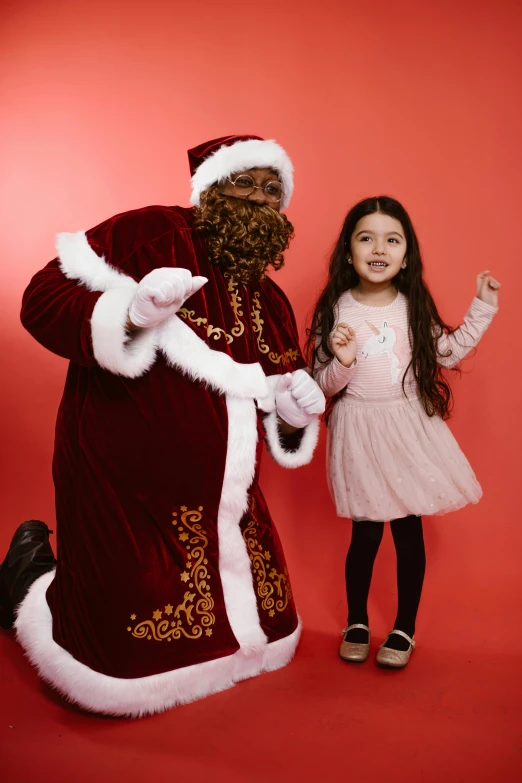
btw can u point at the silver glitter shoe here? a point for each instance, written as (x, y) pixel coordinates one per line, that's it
(395, 659)
(354, 651)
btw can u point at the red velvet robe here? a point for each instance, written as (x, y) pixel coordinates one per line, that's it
(171, 581)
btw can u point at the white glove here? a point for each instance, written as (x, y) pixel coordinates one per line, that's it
(298, 398)
(161, 293)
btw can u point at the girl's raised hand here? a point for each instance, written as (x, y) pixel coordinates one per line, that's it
(344, 344)
(487, 288)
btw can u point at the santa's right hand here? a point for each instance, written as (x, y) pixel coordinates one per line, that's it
(160, 294)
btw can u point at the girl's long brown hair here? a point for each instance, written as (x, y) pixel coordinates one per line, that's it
(426, 325)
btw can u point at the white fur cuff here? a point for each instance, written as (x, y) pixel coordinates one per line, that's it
(113, 349)
(291, 459)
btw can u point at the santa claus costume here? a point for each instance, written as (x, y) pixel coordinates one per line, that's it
(170, 581)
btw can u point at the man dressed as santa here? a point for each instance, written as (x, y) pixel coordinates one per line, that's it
(170, 581)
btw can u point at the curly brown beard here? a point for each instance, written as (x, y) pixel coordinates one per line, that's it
(243, 238)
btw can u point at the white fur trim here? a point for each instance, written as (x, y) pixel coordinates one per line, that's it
(78, 261)
(113, 349)
(278, 654)
(239, 157)
(234, 563)
(267, 404)
(134, 697)
(291, 459)
(184, 350)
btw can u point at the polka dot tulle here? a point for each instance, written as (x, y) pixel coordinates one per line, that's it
(388, 459)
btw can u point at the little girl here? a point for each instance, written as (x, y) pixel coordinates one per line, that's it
(378, 346)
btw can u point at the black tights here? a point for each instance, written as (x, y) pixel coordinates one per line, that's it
(411, 564)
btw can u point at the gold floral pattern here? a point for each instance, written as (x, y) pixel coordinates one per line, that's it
(212, 331)
(215, 331)
(273, 588)
(173, 622)
(236, 303)
(257, 326)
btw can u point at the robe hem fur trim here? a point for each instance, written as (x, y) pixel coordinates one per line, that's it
(291, 459)
(100, 693)
(238, 157)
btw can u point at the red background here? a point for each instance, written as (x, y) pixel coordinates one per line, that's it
(421, 101)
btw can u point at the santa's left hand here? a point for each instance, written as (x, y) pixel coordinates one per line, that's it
(298, 399)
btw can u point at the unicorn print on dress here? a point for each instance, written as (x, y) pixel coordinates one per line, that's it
(389, 340)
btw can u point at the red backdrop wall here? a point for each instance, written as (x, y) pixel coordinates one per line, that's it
(100, 100)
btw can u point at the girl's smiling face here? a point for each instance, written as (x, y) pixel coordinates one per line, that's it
(378, 248)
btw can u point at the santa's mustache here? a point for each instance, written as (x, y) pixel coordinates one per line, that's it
(243, 209)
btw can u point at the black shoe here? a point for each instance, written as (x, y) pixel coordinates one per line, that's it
(29, 556)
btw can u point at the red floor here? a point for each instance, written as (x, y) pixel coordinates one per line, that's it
(453, 716)
(450, 717)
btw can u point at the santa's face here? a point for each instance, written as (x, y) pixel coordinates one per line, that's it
(244, 234)
(262, 186)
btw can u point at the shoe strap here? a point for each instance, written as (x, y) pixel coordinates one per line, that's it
(355, 625)
(405, 635)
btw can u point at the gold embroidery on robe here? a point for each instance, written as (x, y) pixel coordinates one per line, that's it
(257, 326)
(215, 331)
(238, 330)
(173, 622)
(235, 303)
(273, 588)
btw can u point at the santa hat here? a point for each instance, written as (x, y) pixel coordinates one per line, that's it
(216, 160)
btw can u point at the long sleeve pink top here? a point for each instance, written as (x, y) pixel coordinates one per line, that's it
(384, 351)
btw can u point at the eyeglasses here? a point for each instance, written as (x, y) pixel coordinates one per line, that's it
(244, 186)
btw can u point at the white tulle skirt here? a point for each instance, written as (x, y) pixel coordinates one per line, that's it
(388, 459)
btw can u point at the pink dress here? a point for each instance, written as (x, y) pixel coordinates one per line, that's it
(386, 457)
